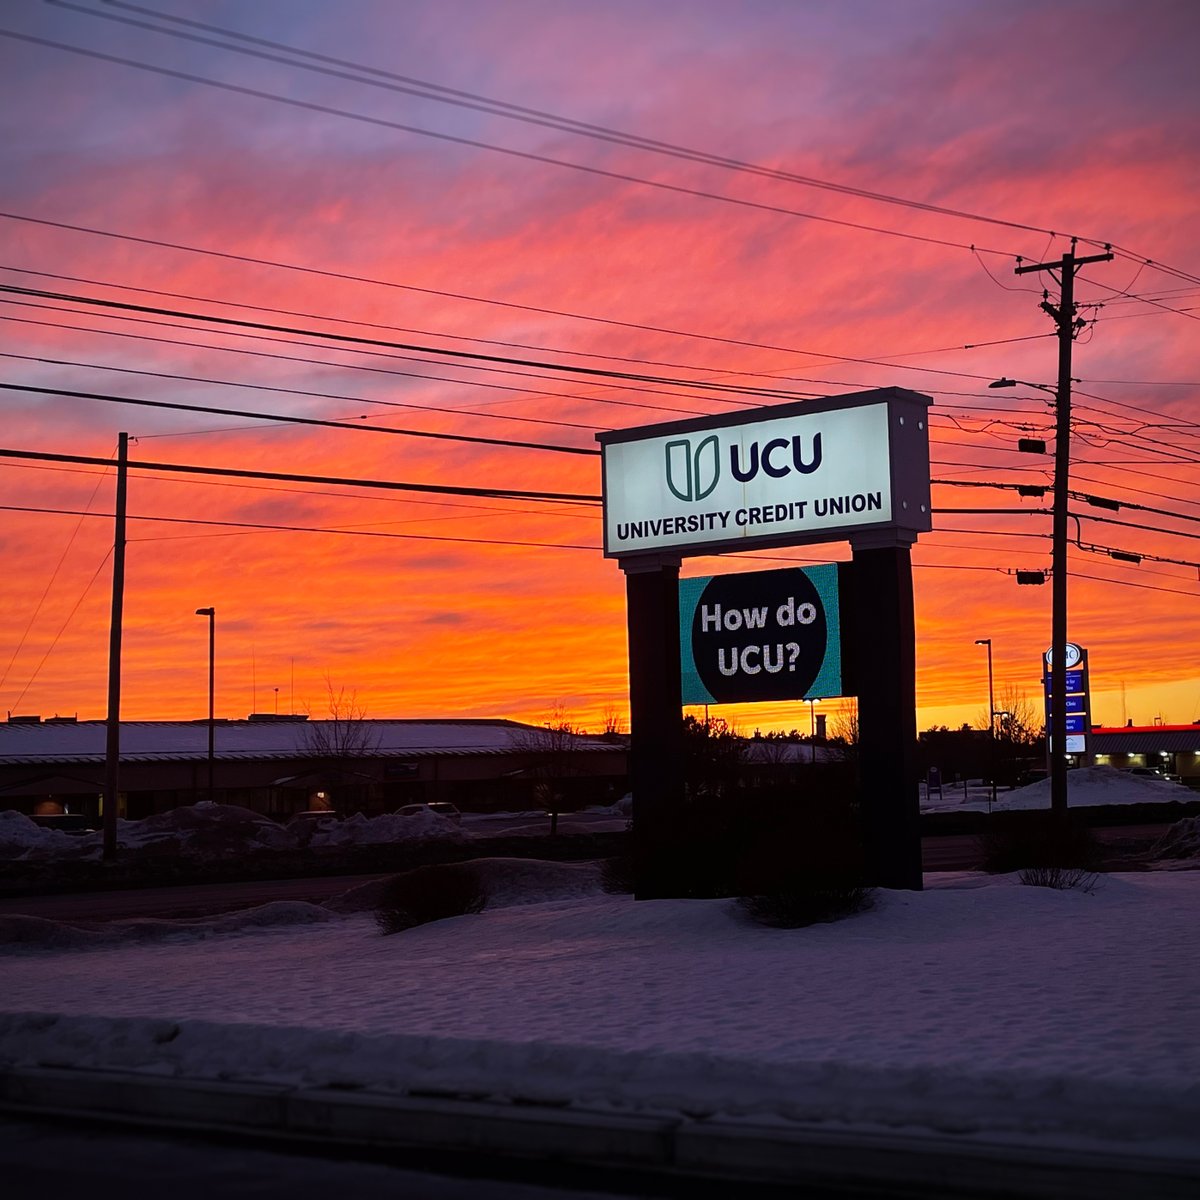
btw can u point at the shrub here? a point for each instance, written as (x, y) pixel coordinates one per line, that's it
(804, 863)
(1060, 878)
(808, 902)
(616, 875)
(427, 894)
(1037, 841)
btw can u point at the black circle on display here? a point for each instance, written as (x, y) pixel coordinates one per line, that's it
(748, 654)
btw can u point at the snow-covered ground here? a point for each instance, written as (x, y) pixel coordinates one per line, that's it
(1086, 787)
(978, 1007)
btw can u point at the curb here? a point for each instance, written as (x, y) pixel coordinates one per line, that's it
(677, 1148)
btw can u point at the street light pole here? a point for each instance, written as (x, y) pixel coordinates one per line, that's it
(211, 614)
(991, 712)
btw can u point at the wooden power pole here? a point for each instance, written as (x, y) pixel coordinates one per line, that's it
(1069, 324)
(112, 752)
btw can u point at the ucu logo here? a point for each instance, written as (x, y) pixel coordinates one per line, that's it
(692, 474)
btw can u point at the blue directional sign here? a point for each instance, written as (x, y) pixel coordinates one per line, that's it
(1078, 697)
(1075, 681)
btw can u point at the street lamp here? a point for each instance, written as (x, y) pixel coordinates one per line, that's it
(211, 614)
(1058, 570)
(812, 728)
(991, 711)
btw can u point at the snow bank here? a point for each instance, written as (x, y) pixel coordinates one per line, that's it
(19, 932)
(505, 882)
(360, 830)
(22, 838)
(980, 1006)
(1180, 845)
(1086, 787)
(208, 831)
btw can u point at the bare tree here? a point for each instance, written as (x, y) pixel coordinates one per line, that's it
(553, 752)
(340, 741)
(844, 729)
(1018, 733)
(614, 723)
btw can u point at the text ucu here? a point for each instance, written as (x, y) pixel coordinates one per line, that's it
(774, 458)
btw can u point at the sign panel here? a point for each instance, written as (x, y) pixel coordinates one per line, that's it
(764, 635)
(820, 470)
(1078, 697)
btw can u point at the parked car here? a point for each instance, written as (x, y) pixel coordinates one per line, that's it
(441, 808)
(1144, 772)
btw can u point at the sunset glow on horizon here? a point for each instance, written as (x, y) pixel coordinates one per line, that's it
(202, 175)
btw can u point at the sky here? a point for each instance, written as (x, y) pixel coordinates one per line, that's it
(149, 168)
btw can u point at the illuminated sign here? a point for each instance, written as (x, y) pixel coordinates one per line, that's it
(813, 471)
(1078, 697)
(763, 635)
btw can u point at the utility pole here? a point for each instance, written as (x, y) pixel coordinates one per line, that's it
(112, 751)
(1068, 324)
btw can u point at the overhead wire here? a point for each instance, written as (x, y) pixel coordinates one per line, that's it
(510, 304)
(375, 77)
(477, 144)
(63, 628)
(580, 353)
(62, 558)
(425, 89)
(282, 418)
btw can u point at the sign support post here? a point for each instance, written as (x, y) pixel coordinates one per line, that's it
(885, 668)
(656, 721)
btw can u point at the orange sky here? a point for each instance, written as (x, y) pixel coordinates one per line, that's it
(944, 103)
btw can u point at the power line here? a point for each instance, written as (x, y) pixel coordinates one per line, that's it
(50, 584)
(425, 89)
(319, 362)
(1146, 587)
(458, 337)
(524, 390)
(281, 418)
(440, 351)
(336, 481)
(70, 617)
(247, 527)
(1087, 497)
(475, 144)
(574, 511)
(529, 308)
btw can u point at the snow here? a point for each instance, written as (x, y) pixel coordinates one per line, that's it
(84, 741)
(1179, 847)
(207, 831)
(1086, 787)
(978, 1007)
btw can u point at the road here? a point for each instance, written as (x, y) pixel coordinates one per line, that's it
(70, 1156)
(95, 1162)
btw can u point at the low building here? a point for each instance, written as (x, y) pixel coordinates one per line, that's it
(1167, 749)
(280, 765)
